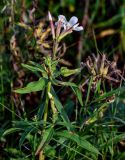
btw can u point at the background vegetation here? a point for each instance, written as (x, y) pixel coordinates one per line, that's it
(99, 121)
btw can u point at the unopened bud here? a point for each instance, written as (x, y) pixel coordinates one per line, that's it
(49, 15)
(51, 24)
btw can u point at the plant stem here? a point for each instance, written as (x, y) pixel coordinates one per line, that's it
(12, 12)
(54, 110)
(46, 103)
(41, 156)
(55, 48)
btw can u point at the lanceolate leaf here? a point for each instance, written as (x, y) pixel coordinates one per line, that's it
(81, 141)
(41, 109)
(33, 86)
(11, 130)
(74, 87)
(25, 134)
(37, 66)
(67, 72)
(33, 68)
(88, 91)
(114, 140)
(108, 94)
(47, 135)
(61, 110)
(71, 84)
(78, 93)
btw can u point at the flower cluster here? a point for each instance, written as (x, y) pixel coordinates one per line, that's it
(64, 27)
(72, 24)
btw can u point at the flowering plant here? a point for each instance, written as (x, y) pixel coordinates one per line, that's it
(51, 128)
(50, 76)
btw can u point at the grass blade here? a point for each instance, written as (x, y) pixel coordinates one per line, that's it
(79, 140)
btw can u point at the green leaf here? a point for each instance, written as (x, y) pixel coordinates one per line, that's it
(74, 87)
(67, 72)
(25, 124)
(61, 110)
(81, 141)
(120, 155)
(37, 65)
(25, 134)
(33, 68)
(71, 84)
(47, 135)
(108, 94)
(78, 93)
(88, 91)
(113, 140)
(41, 109)
(50, 151)
(33, 86)
(98, 87)
(15, 152)
(11, 130)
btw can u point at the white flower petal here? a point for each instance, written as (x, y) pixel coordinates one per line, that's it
(72, 24)
(76, 25)
(78, 28)
(64, 26)
(62, 18)
(73, 20)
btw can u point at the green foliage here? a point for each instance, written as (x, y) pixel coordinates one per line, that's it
(67, 72)
(33, 86)
(81, 141)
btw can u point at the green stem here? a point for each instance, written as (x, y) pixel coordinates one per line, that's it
(41, 155)
(48, 97)
(54, 110)
(46, 102)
